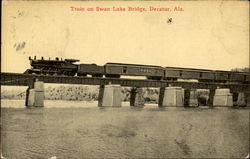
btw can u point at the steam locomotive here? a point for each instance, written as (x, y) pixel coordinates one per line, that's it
(68, 67)
(52, 67)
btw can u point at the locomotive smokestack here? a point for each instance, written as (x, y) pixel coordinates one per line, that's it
(34, 57)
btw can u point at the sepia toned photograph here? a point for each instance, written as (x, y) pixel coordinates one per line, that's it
(125, 79)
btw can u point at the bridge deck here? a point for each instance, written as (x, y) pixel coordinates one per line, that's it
(18, 79)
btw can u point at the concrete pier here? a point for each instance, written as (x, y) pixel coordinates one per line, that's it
(136, 97)
(203, 96)
(190, 98)
(35, 96)
(223, 97)
(211, 97)
(173, 96)
(110, 95)
(161, 96)
(247, 96)
(241, 100)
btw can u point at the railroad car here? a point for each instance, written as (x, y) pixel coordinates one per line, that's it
(118, 69)
(171, 73)
(237, 76)
(247, 78)
(188, 73)
(221, 76)
(243, 77)
(90, 69)
(207, 76)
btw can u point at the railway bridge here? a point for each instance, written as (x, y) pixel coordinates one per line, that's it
(172, 93)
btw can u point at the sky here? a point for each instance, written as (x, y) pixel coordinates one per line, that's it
(205, 34)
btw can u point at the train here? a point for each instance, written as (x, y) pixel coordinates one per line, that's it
(68, 67)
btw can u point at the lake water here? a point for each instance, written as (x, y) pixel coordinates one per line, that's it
(70, 129)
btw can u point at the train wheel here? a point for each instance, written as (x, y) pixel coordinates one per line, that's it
(51, 73)
(112, 76)
(205, 80)
(59, 73)
(65, 73)
(149, 78)
(42, 73)
(157, 78)
(170, 79)
(81, 74)
(97, 75)
(154, 78)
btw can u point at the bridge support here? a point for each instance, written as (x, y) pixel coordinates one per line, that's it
(211, 97)
(172, 96)
(223, 97)
(110, 95)
(35, 96)
(241, 100)
(247, 96)
(203, 97)
(190, 98)
(136, 97)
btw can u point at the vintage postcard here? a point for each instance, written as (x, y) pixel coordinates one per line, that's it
(70, 49)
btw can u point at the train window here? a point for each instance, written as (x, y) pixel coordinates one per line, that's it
(124, 70)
